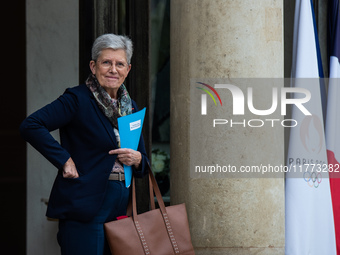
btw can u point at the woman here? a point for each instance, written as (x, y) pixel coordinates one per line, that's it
(89, 188)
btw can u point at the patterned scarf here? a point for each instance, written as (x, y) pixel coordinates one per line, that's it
(111, 108)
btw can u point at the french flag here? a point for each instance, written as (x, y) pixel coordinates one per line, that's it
(309, 224)
(333, 113)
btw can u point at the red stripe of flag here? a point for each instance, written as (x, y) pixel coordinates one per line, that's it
(335, 191)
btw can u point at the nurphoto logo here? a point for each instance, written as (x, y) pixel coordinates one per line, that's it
(280, 97)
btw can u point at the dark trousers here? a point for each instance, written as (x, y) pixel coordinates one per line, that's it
(88, 238)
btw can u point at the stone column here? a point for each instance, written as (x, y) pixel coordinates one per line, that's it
(227, 39)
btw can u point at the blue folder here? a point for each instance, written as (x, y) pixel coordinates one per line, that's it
(130, 129)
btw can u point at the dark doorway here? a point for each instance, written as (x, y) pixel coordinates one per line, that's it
(131, 18)
(13, 148)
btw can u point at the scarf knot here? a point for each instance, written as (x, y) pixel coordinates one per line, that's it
(112, 108)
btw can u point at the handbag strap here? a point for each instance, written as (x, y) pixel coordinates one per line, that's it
(152, 199)
(135, 219)
(153, 189)
(151, 195)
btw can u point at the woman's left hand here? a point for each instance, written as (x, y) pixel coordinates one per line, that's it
(128, 157)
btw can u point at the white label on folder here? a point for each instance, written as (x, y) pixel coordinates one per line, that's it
(135, 125)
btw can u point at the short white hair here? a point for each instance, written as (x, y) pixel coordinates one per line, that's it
(112, 41)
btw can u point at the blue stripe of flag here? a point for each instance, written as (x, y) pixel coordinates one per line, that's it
(321, 74)
(334, 28)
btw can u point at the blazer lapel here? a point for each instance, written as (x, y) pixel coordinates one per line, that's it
(104, 120)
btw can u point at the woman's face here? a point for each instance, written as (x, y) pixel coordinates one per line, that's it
(111, 69)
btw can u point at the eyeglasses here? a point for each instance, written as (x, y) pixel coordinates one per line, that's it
(108, 64)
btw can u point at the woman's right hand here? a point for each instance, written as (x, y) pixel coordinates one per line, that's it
(70, 170)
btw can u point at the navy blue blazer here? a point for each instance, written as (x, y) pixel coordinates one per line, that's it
(86, 135)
